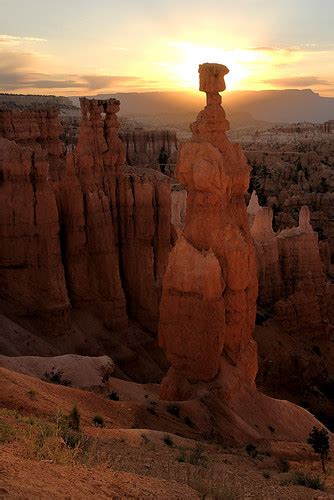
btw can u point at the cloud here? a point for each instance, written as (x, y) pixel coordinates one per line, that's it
(274, 49)
(96, 82)
(16, 40)
(296, 81)
(17, 75)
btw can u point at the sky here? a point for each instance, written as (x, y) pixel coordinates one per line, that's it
(86, 47)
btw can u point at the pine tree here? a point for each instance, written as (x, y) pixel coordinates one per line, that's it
(319, 440)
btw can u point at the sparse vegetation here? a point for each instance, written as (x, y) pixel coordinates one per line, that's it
(152, 407)
(7, 433)
(319, 440)
(98, 421)
(251, 450)
(266, 474)
(74, 419)
(114, 396)
(271, 428)
(168, 440)
(145, 439)
(40, 439)
(173, 409)
(32, 394)
(283, 465)
(305, 479)
(55, 376)
(197, 456)
(213, 486)
(189, 422)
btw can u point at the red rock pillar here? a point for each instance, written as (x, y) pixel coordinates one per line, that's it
(208, 304)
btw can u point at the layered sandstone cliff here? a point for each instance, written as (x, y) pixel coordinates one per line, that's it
(38, 129)
(67, 220)
(86, 196)
(144, 239)
(150, 147)
(292, 277)
(31, 270)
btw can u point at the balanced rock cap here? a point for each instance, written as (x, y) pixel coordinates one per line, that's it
(211, 77)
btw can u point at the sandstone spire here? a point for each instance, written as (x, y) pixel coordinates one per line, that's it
(208, 304)
(87, 204)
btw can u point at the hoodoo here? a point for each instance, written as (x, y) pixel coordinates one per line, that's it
(208, 303)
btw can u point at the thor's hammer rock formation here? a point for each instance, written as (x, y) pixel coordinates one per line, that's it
(208, 303)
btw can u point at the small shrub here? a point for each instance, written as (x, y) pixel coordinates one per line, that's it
(266, 474)
(197, 456)
(152, 410)
(173, 409)
(168, 440)
(319, 440)
(213, 486)
(145, 439)
(7, 433)
(305, 479)
(251, 450)
(68, 428)
(56, 377)
(189, 422)
(98, 421)
(271, 428)
(181, 457)
(72, 438)
(152, 407)
(284, 465)
(74, 419)
(32, 394)
(114, 396)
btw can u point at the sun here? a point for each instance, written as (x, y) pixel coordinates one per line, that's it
(190, 56)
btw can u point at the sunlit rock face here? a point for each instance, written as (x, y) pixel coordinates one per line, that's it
(267, 253)
(85, 198)
(80, 230)
(208, 304)
(38, 129)
(304, 279)
(31, 271)
(116, 222)
(144, 147)
(291, 271)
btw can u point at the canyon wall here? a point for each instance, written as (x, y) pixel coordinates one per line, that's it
(292, 274)
(143, 148)
(31, 270)
(150, 147)
(67, 219)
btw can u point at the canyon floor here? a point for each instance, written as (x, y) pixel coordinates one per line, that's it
(137, 453)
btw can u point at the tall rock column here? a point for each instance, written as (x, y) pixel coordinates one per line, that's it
(31, 271)
(88, 209)
(208, 304)
(267, 253)
(303, 309)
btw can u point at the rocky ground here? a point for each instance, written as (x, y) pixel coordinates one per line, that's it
(126, 457)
